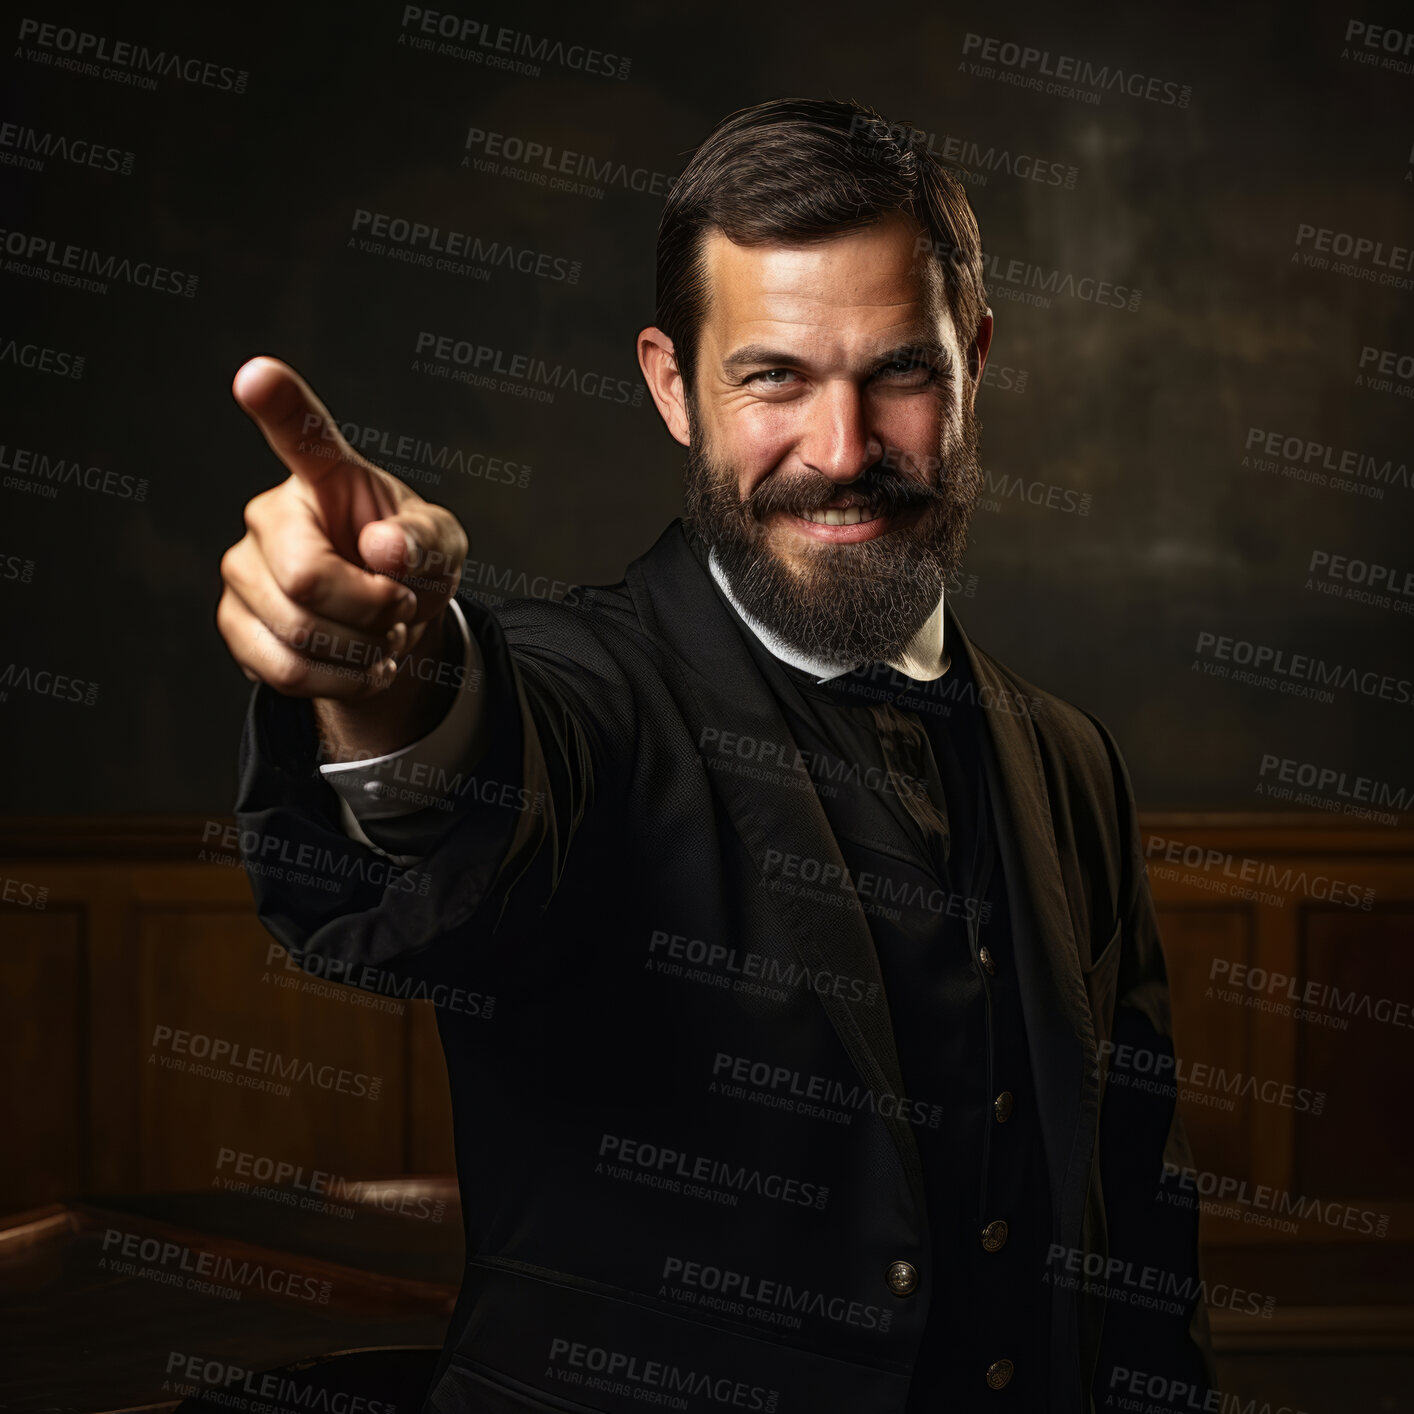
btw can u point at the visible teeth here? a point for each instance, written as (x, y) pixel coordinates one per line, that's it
(851, 515)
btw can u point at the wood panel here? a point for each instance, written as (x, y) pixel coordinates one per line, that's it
(1321, 914)
(137, 930)
(43, 1046)
(241, 1054)
(1362, 967)
(1194, 934)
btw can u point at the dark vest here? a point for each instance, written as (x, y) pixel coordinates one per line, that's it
(898, 768)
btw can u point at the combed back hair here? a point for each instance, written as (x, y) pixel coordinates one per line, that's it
(798, 170)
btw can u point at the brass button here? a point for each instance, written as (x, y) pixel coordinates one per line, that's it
(1001, 1106)
(984, 956)
(999, 1374)
(902, 1278)
(994, 1236)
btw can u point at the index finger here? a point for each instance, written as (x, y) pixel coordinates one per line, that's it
(298, 427)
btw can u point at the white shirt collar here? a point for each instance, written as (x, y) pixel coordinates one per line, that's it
(925, 650)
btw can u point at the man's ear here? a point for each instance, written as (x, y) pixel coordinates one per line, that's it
(660, 371)
(977, 354)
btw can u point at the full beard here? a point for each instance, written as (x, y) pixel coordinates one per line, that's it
(845, 603)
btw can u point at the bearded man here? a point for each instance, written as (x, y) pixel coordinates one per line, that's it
(810, 926)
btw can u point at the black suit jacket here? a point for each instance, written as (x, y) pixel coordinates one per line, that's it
(634, 900)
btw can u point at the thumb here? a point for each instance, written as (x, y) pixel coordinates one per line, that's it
(418, 550)
(389, 546)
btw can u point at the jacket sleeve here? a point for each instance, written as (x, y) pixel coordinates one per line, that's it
(1156, 1317)
(352, 913)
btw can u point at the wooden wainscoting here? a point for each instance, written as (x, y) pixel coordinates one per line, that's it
(1329, 903)
(138, 930)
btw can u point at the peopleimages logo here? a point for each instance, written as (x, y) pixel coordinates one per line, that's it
(1357, 257)
(1025, 282)
(1289, 881)
(1031, 65)
(459, 38)
(732, 1293)
(44, 682)
(270, 1391)
(1321, 1002)
(318, 866)
(29, 148)
(1147, 1287)
(484, 365)
(559, 169)
(999, 487)
(175, 1264)
(1330, 789)
(1137, 1390)
(361, 983)
(828, 882)
(978, 161)
(412, 457)
(24, 893)
(41, 358)
(1345, 577)
(1389, 364)
(83, 52)
(1306, 459)
(439, 249)
(238, 1064)
(242, 1172)
(46, 469)
(797, 1092)
(823, 768)
(660, 1166)
(1262, 1205)
(41, 257)
(1161, 1073)
(619, 1372)
(1297, 673)
(716, 964)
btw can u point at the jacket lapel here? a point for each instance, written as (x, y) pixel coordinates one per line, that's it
(718, 687)
(1059, 1028)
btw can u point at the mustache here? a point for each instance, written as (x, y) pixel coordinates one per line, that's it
(882, 489)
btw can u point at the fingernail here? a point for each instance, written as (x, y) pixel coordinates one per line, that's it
(413, 553)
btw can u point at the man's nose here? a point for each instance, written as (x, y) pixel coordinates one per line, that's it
(837, 442)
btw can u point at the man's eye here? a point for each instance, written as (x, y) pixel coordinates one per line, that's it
(909, 370)
(772, 377)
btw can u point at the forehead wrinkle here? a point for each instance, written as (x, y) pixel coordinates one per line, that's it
(838, 289)
(869, 256)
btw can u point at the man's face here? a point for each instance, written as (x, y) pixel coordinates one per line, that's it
(832, 457)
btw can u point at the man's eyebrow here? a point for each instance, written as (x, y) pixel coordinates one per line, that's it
(915, 350)
(758, 356)
(920, 351)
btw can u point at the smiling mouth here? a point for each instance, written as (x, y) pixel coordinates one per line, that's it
(848, 515)
(847, 508)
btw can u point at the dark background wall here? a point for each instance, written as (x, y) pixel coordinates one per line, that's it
(1262, 120)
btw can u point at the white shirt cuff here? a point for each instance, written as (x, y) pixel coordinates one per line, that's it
(424, 773)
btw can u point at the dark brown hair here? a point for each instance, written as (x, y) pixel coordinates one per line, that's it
(797, 170)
